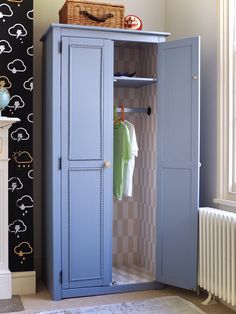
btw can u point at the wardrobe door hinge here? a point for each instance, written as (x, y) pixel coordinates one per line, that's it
(60, 276)
(59, 163)
(60, 46)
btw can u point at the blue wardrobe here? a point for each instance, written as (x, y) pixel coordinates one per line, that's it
(94, 244)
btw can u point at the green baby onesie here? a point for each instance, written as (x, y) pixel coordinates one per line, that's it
(122, 153)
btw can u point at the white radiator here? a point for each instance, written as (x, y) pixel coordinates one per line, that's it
(217, 260)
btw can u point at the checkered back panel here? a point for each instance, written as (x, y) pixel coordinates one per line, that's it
(127, 59)
(134, 217)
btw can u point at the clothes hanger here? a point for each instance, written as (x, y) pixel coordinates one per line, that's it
(122, 113)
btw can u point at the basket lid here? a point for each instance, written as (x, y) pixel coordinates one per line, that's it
(97, 3)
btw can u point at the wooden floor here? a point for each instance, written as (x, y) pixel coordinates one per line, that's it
(42, 301)
(134, 274)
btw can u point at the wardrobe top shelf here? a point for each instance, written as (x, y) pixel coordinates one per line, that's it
(115, 34)
(133, 82)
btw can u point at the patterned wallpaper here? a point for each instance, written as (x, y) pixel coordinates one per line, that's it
(134, 228)
(16, 71)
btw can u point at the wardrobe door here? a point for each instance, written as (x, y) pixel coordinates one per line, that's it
(86, 133)
(178, 163)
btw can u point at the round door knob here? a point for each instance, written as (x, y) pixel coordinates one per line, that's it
(107, 164)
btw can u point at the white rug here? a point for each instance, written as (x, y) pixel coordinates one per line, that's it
(11, 305)
(162, 305)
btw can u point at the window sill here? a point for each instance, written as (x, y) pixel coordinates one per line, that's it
(226, 204)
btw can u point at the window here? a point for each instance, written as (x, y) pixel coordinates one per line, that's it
(227, 104)
(232, 91)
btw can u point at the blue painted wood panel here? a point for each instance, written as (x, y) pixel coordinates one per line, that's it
(178, 94)
(86, 132)
(85, 100)
(178, 162)
(86, 226)
(52, 174)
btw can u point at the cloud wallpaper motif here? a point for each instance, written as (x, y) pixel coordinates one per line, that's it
(16, 71)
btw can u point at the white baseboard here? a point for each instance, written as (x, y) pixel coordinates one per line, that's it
(5, 285)
(24, 283)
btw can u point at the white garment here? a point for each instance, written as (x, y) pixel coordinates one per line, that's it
(129, 166)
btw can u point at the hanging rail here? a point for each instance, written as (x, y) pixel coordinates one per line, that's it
(147, 110)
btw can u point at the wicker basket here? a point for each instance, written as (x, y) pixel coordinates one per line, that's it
(92, 13)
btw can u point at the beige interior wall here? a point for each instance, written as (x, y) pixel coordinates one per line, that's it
(186, 18)
(182, 18)
(152, 13)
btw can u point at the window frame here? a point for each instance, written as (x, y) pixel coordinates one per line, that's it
(226, 189)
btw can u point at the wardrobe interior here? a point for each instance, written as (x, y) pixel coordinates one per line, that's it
(134, 218)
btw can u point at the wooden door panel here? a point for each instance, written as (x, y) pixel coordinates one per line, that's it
(85, 101)
(178, 162)
(86, 118)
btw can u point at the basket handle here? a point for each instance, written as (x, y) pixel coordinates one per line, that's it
(96, 19)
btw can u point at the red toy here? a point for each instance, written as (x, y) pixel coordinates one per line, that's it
(133, 22)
